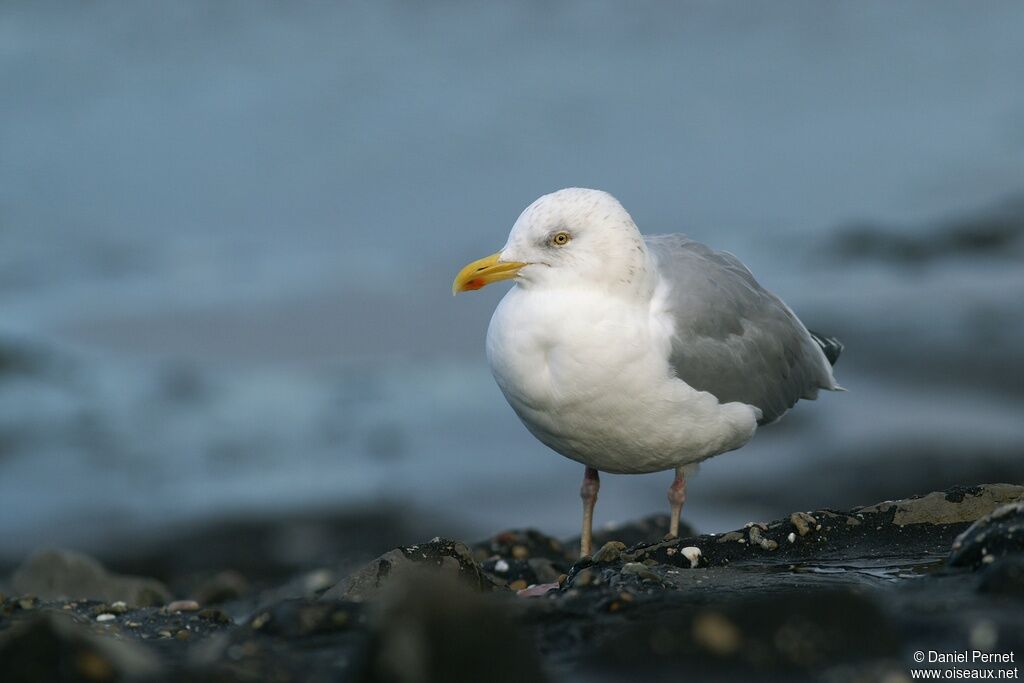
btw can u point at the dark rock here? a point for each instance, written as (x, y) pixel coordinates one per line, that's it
(759, 636)
(63, 574)
(817, 595)
(221, 587)
(431, 628)
(530, 572)
(650, 529)
(997, 233)
(522, 544)
(18, 358)
(53, 647)
(300, 618)
(214, 615)
(993, 536)
(959, 504)
(443, 556)
(271, 548)
(1004, 577)
(609, 552)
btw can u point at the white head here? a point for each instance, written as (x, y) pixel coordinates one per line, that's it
(568, 238)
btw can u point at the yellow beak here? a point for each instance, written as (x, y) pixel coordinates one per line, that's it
(481, 273)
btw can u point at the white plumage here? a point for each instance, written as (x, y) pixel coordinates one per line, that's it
(634, 355)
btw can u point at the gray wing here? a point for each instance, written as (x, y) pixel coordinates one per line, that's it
(733, 338)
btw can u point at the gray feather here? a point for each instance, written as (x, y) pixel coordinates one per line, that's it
(733, 338)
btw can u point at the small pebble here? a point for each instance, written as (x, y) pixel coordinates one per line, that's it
(215, 615)
(716, 633)
(520, 552)
(584, 577)
(106, 616)
(803, 522)
(119, 607)
(317, 580)
(183, 606)
(692, 553)
(518, 585)
(791, 538)
(501, 566)
(609, 552)
(640, 570)
(984, 635)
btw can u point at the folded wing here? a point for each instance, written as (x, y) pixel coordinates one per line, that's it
(733, 338)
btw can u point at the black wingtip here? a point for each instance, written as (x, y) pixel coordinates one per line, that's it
(831, 346)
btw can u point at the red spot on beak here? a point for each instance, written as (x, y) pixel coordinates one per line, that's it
(474, 285)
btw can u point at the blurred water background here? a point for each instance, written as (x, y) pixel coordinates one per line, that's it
(228, 232)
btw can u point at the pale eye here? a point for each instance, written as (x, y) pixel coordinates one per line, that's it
(560, 239)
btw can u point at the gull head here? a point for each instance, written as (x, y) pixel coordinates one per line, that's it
(572, 237)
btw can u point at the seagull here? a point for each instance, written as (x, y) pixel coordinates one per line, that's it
(633, 354)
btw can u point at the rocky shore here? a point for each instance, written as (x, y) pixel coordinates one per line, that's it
(819, 595)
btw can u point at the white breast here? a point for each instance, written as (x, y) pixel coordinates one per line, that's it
(588, 374)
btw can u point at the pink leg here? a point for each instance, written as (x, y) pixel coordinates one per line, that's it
(588, 492)
(676, 498)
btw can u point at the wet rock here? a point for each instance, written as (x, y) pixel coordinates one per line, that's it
(271, 548)
(53, 647)
(222, 587)
(523, 544)
(731, 536)
(583, 578)
(214, 615)
(997, 232)
(183, 606)
(640, 570)
(609, 552)
(1004, 577)
(760, 541)
(835, 598)
(960, 504)
(19, 358)
(803, 522)
(300, 618)
(760, 636)
(431, 628)
(536, 570)
(912, 524)
(443, 556)
(63, 574)
(650, 529)
(993, 536)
